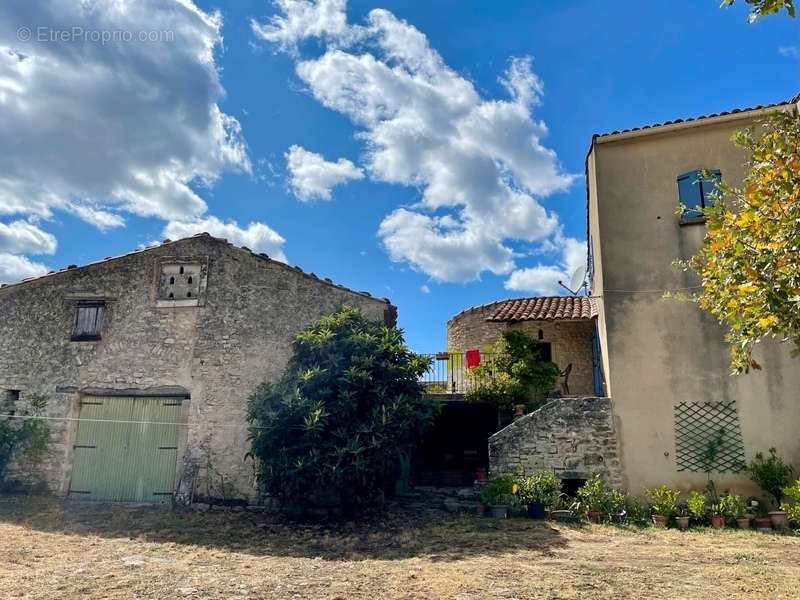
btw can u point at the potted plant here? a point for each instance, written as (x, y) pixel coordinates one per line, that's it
(682, 518)
(792, 507)
(565, 509)
(663, 504)
(772, 475)
(497, 494)
(762, 522)
(733, 507)
(539, 491)
(717, 518)
(615, 504)
(593, 497)
(697, 505)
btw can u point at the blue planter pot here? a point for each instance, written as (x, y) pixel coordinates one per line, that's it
(536, 510)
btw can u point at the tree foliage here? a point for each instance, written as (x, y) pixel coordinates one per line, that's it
(513, 374)
(762, 8)
(23, 439)
(749, 263)
(333, 428)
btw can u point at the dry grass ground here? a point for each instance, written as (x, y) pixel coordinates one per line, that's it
(56, 549)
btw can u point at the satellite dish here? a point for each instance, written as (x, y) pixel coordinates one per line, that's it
(578, 279)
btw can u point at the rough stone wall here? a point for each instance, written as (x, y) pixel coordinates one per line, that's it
(571, 341)
(575, 437)
(239, 336)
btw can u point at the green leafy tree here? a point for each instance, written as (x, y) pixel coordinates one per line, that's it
(514, 373)
(762, 8)
(23, 438)
(333, 428)
(748, 263)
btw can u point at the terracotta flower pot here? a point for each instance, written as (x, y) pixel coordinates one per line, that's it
(780, 520)
(660, 520)
(519, 410)
(593, 516)
(682, 523)
(763, 523)
(743, 522)
(718, 522)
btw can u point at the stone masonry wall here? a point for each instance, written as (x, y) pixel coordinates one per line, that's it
(575, 437)
(238, 336)
(571, 341)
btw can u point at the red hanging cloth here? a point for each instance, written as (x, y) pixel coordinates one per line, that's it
(473, 358)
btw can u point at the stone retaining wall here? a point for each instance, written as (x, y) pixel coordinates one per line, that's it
(575, 437)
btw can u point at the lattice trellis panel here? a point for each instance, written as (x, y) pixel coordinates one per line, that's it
(708, 437)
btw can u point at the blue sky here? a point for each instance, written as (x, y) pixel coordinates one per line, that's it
(430, 152)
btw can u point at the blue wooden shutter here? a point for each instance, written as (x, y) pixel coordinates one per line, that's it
(690, 194)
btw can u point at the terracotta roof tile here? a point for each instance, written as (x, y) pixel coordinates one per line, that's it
(545, 308)
(794, 100)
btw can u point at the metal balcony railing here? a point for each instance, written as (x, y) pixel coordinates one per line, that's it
(453, 372)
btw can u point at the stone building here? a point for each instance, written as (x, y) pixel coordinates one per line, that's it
(147, 361)
(565, 326)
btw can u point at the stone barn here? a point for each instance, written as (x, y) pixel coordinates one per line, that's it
(146, 362)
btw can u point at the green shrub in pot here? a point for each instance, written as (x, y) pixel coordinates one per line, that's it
(697, 505)
(540, 488)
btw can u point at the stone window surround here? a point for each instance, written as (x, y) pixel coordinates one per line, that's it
(200, 300)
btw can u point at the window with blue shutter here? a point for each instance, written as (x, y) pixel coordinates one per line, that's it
(696, 193)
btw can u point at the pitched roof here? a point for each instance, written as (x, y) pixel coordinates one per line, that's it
(206, 236)
(545, 308)
(733, 111)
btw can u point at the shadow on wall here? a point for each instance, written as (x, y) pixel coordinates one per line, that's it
(397, 534)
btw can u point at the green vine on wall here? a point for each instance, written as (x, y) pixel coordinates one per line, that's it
(23, 440)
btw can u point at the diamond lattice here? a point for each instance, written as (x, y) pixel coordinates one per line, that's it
(708, 437)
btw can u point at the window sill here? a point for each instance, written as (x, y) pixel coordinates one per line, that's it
(188, 302)
(692, 221)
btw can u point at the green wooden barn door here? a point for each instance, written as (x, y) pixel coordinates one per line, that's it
(126, 449)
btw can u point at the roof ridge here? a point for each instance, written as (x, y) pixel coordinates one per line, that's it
(204, 234)
(724, 113)
(546, 302)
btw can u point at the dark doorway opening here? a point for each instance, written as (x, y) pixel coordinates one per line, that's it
(456, 445)
(570, 486)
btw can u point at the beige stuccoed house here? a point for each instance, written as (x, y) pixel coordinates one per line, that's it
(147, 361)
(662, 407)
(665, 363)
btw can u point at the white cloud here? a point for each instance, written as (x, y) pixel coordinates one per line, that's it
(790, 51)
(479, 163)
(543, 279)
(312, 177)
(21, 237)
(256, 236)
(126, 124)
(14, 267)
(424, 289)
(102, 129)
(302, 19)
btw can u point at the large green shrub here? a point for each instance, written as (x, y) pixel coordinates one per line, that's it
(500, 489)
(594, 495)
(663, 500)
(514, 373)
(334, 428)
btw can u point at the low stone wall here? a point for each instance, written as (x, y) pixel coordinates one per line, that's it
(573, 436)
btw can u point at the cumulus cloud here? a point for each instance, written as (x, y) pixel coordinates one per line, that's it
(256, 236)
(790, 51)
(543, 279)
(101, 129)
(311, 177)
(21, 237)
(479, 163)
(14, 267)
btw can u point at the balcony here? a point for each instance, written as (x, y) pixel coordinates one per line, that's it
(449, 372)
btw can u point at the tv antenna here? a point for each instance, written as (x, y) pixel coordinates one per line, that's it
(577, 282)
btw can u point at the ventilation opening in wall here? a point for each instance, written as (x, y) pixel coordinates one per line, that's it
(180, 281)
(571, 485)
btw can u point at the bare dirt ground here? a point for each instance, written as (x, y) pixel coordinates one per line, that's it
(57, 549)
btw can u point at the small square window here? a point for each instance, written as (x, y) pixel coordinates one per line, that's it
(697, 193)
(88, 321)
